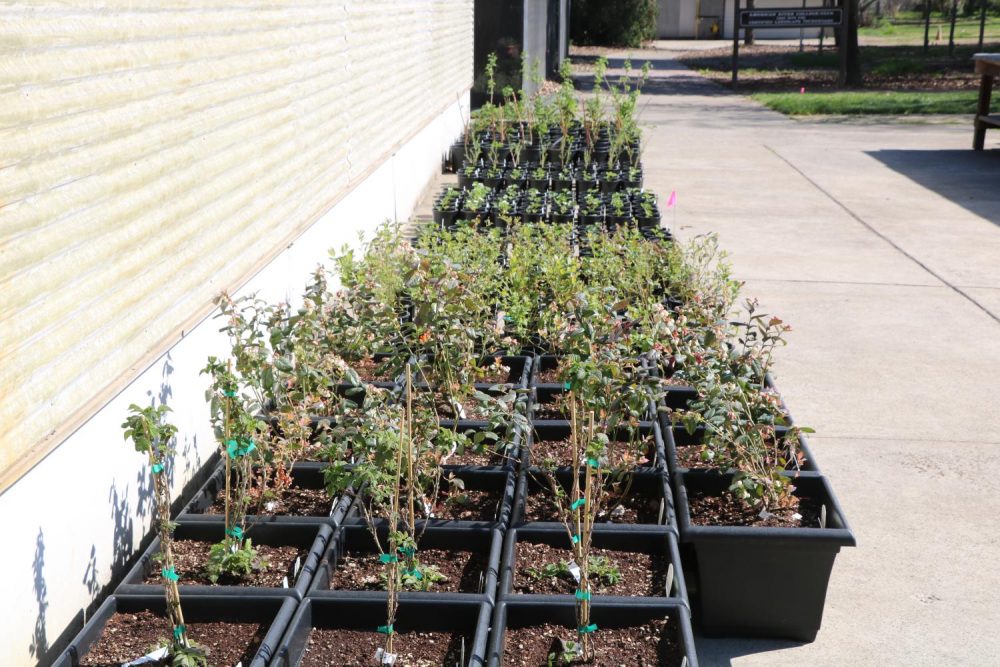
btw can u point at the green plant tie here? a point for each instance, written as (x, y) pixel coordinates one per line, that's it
(234, 449)
(157, 468)
(566, 386)
(583, 595)
(170, 574)
(415, 573)
(578, 503)
(587, 629)
(229, 393)
(178, 631)
(236, 532)
(593, 463)
(385, 629)
(576, 539)
(407, 551)
(388, 558)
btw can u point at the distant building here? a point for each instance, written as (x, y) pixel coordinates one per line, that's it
(713, 19)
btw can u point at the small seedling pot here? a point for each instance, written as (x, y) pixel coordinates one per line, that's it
(650, 485)
(304, 475)
(469, 618)
(502, 481)
(309, 537)
(271, 610)
(518, 613)
(659, 543)
(678, 436)
(556, 430)
(784, 572)
(458, 539)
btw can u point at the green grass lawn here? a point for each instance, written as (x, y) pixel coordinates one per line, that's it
(870, 102)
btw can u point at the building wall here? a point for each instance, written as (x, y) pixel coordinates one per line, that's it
(152, 154)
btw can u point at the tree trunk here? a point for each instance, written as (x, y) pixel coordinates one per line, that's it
(748, 32)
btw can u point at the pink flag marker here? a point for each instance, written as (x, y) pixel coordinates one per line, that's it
(672, 201)
(802, 90)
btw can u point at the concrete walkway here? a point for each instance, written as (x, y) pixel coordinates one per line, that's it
(880, 244)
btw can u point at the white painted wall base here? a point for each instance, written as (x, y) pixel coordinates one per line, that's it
(74, 520)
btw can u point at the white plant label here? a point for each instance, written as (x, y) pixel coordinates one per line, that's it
(384, 658)
(284, 582)
(797, 516)
(765, 515)
(297, 566)
(822, 515)
(574, 569)
(148, 659)
(670, 578)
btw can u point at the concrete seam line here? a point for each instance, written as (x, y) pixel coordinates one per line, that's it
(886, 438)
(882, 236)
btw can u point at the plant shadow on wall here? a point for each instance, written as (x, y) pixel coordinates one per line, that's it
(39, 640)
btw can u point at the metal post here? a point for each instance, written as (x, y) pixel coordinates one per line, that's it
(951, 33)
(802, 32)
(736, 40)
(982, 24)
(927, 25)
(846, 8)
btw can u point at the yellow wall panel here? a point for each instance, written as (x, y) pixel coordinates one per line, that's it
(152, 152)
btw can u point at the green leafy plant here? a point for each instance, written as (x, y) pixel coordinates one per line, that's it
(600, 567)
(151, 434)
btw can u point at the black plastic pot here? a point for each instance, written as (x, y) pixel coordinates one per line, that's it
(470, 618)
(304, 475)
(507, 458)
(499, 480)
(456, 156)
(272, 610)
(659, 543)
(762, 582)
(546, 394)
(517, 613)
(651, 485)
(678, 436)
(553, 430)
(312, 538)
(544, 362)
(358, 538)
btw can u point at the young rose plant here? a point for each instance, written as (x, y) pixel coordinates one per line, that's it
(151, 434)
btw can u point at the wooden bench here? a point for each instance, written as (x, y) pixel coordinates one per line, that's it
(988, 67)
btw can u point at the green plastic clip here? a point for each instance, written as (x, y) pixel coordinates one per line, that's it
(583, 595)
(170, 574)
(576, 539)
(578, 503)
(407, 551)
(593, 463)
(388, 558)
(234, 449)
(385, 629)
(178, 631)
(566, 386)
(236, 532)
(415, 573)
(587, 629)
(230, 393)
(157, 468)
